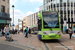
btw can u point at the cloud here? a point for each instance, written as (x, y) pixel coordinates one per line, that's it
(19, 15)
(13, 1)
(36, 9)
(40, 1)
(24, 0)
(29, 13)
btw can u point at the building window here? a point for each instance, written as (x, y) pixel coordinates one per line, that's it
(60, 0)
(58, 5)
(49, 7)
(3, 0)
(54, 5)
(8, 10)
(64, 4)
(2, 8)
(24, 19)
(49, 0)
(44, 1)
(68, 19)
(24, 23)
(7, 1)
(61, 12)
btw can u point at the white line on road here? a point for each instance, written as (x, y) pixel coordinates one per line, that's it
(30, 41)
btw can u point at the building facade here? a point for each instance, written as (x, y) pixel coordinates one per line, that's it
(30, 20)
(24, 22)
(4, 13)
(20, 24)
(16, 27)
(66, 9)
(41, 8)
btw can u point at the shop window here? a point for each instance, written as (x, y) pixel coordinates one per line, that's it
(2, 8)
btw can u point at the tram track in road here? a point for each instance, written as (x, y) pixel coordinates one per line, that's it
(46, 46)
(55, 45)
(64, 46)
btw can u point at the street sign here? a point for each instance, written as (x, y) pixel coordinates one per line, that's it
(13, 25)
(65, 22)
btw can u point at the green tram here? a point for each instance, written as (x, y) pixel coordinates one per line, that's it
(49, 25)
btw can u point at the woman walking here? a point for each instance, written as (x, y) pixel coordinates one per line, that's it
(70, 32)
(26, 30)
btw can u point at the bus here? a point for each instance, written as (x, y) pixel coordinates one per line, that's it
(49, 25)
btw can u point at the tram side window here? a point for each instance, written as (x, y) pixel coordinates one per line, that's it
(39, 25)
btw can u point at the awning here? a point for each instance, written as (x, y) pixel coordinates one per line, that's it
(36, 25)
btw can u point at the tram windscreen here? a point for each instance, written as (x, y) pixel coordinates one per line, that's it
(50, 19)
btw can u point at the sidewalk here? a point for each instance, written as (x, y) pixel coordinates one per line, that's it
(70, 43)
(31, 42)
(34, 42)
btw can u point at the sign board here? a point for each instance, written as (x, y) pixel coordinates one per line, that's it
(65, 22)
(65, 26)
(13, 25)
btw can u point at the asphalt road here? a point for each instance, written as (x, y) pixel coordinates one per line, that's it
(8, 47)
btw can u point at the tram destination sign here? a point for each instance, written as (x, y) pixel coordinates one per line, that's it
(46, 13)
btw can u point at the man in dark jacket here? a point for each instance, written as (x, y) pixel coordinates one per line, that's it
(29, 31)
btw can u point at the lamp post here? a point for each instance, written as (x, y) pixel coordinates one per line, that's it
(13, 13)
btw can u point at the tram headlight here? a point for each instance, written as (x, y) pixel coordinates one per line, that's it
(44, 32)
(58, 32)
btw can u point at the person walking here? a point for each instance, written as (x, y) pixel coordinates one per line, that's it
(13, 31)
(70, 32)
(26, 30)
(29, 31)
(3, 32)
(0, 32)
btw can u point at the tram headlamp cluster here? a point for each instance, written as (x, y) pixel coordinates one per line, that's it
(59, 32)
(44, 32)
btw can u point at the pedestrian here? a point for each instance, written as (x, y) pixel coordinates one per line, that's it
(0, 32)
(73, 35)
(29, 31)
(13, 31)
(70, 32)
(3, 32)
(26, 30)
(6, 31)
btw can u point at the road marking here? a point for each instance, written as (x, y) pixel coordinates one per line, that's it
(30, 41)
(49, 47)
(17, 45)
(64, 46)
(46, 46)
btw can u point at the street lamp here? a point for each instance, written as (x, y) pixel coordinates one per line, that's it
(13, 13)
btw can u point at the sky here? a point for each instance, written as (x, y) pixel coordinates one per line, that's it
(23, 8)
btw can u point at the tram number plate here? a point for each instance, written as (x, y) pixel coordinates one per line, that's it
(51, 36)
(52, 32)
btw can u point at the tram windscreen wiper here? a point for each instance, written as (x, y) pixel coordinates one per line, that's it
(46, 24)
(50, 28)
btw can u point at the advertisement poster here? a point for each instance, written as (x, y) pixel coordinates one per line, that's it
(65, 26)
